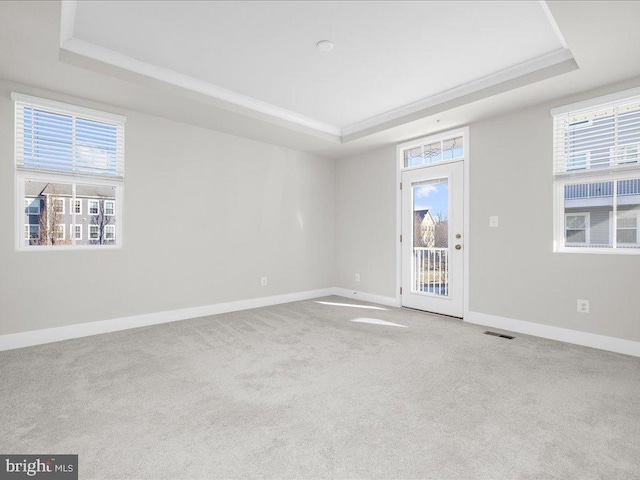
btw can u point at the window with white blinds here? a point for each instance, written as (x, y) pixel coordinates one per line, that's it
(67, 155)
(60, 138)
(596, 166)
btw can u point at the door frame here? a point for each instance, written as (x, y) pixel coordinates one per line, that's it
(464, 132)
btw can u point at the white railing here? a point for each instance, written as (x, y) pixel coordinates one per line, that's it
(431, 270)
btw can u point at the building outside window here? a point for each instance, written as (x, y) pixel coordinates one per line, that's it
(67, 155)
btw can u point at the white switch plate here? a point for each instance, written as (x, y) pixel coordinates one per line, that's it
(493, 221)
(263, 281)
(357, 277)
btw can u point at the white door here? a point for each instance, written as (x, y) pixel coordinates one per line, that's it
(432, 239)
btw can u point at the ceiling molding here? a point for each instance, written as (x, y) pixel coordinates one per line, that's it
(517, 71)
(481, 88)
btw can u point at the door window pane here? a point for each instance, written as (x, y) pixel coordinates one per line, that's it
(431, 237)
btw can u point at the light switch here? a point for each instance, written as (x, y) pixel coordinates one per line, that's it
(493, 221)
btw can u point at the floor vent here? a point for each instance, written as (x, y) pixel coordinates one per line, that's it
(501, 335)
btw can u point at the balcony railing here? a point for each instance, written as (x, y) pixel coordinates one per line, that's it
(431, 270)
(602, 189)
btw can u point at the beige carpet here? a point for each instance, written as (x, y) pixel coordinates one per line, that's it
(301, 391)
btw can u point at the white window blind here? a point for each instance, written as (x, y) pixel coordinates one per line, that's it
(58, 138)
(594, 140)
(596, 167)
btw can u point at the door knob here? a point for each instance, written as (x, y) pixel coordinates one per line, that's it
(458, 235)
(458, 247)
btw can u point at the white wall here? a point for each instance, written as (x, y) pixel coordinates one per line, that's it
(365, 225)
(513, 270)
(206, 215)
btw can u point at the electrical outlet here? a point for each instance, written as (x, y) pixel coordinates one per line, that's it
(583, 306)
(493, 221)
(357, 277)
(263, 281)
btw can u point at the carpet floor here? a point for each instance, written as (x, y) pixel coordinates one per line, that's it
(302, 391)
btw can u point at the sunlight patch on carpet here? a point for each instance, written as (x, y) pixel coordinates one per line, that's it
(375, 321)
(370, 307)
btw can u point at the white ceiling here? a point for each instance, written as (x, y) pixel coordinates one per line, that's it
(390, 58)
(602, 35)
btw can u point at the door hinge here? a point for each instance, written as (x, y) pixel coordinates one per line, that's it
(400, 185)
(400, 290)
(400, 238)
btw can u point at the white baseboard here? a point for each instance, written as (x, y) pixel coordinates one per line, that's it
(48, 335)
(602, 342)
(366, 297)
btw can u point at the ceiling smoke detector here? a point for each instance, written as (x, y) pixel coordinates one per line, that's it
(324, 45)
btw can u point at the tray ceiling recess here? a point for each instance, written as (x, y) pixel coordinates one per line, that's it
(342, 70)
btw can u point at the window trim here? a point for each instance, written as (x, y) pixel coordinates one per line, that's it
(27, 230)
(105, 207)
(23, 172)
(72, 234)
(614, 172)
(21, 176)
(637, 229)
(26, 206)
(587, 235)
(54, 200)
(73, 207)
(110, 227)
(97, 202)
(89, 232)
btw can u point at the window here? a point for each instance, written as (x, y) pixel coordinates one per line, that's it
(94, 207)
(58, 205)
(66, 154)
(94, 232)
(597, 175)
(110, 233)
(627, 229)
(577, 228)
(32, 233)
(32, 206)
(447, 149)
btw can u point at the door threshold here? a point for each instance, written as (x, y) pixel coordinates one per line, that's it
(433, 313)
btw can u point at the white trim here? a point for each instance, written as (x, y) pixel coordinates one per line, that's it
(56, 199)
(553, 23)
(366, 297)
(603, 101)
(110, 227)
(587, 229)
(69, 108)
(117, 59)
(585, 339)
(48, 335)
(97, 202)
(97, 227)
(125, 62)
(67, 19)
(465, 132)
(64, 230)
(72, 234)
(511, 73)
(114, 208)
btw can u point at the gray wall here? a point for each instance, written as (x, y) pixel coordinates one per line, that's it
(513, 270)
(366, 222)
(205, 216)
